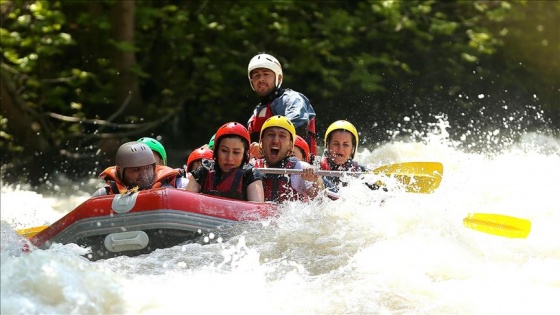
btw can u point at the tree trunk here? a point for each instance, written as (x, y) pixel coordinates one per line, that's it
(126, 82)
(26, 130)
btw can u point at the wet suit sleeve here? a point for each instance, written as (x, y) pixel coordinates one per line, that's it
(295, 106)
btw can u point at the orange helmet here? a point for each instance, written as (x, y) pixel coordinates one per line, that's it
(302, 144)
(233, 129)
(198, 154)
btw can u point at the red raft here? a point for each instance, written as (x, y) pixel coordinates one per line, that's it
(139, 223)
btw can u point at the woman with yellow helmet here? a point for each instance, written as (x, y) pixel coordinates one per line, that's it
(341, 144)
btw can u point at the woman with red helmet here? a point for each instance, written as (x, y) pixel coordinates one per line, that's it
(230, 175)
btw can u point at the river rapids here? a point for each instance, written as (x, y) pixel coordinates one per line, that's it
(370, 252)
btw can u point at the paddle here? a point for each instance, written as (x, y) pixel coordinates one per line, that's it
(418, 177)
(497, 224)
(30, 232)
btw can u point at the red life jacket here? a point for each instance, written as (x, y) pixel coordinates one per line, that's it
(257, 120)
(350, 166)
(312, 137)
(164, 175)
(277, 187)
(231, 186)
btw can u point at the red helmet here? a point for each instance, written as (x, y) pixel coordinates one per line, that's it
(198, 154)
(233, 129)
(302, 144)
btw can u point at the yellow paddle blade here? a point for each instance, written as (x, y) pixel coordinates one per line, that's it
(497, 224)
(30, 232)
(418, 177)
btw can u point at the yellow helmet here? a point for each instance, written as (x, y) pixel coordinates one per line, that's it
(343, 125)
(281, 122)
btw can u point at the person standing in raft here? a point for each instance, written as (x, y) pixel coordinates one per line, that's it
(135, 170)
(341, 143)
(277, 146)
(229, 175)
(265, 77)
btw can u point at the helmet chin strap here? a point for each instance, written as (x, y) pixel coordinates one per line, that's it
(278, 81)
(270, 96)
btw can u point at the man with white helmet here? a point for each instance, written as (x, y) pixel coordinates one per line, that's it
(135, 169)
(265, 76)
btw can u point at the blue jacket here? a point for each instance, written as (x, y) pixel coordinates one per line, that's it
(294, 105)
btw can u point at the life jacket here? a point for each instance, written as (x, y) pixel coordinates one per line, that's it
(312, 138)
(231, 186)
(349, 166)
(164, 176)
(277, 187)
(259, 117)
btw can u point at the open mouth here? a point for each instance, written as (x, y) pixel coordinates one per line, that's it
(274, 152)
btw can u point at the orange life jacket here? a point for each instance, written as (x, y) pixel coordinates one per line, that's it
(164, 175)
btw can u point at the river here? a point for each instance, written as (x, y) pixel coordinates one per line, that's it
(370, 252)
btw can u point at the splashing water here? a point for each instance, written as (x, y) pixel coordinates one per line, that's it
(370, 252)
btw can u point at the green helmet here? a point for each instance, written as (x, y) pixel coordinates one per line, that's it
(155, 146)
(211, 142)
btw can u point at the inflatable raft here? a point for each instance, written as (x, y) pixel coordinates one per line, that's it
(139, 223)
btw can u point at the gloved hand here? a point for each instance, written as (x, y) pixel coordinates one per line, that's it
(376, 186)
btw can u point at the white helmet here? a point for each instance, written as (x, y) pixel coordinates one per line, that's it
(268, 62)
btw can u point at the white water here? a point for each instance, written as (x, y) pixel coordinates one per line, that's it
(367, 253)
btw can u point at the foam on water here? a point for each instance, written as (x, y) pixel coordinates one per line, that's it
(370, 252)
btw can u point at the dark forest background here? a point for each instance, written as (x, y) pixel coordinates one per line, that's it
(78, 78)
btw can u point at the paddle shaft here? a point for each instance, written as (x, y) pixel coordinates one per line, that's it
(286, 171)
(417, 177)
